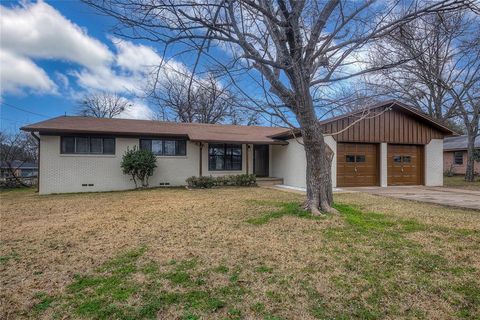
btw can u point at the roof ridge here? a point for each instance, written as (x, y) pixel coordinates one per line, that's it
(166, 122)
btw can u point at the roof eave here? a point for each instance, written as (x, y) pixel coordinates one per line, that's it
(273, 142)
(55, 131)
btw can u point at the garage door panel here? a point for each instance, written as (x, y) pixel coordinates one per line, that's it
(357, 165)
(405, 165)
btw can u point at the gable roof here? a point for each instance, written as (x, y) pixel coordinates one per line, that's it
(150, 128)
(458, 143)
(392, 104)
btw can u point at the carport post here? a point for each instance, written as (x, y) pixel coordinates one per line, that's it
(383, 165)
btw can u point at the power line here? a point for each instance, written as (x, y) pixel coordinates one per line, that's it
(11, 120)
(24, 110)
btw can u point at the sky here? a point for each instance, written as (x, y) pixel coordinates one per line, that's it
(54, 52)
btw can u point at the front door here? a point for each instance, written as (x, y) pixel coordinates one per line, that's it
(260, 160)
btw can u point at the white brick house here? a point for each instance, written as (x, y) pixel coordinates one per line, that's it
(385, 144)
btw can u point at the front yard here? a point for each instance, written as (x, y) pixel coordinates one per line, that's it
(460, 183)
(234, 253)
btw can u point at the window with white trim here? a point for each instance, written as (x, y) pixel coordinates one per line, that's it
(458, 157)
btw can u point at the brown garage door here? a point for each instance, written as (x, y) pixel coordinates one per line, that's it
(357, 165)
(405, 165)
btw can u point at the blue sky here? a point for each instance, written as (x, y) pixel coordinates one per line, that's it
(53, 52)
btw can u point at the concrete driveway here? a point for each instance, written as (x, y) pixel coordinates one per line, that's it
(449, 197)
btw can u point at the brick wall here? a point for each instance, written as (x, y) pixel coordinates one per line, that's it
(448, 161)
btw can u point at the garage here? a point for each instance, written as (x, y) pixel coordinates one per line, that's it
(357, 165)
(404, 165)
(380, 145)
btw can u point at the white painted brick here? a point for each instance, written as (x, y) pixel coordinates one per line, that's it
(434, 163)
(383, 164)
(289, 162)
(66, 173)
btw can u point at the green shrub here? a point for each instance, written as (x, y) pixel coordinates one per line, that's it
(244, 180)
(201, 182)
(139, 164)
(231, 180)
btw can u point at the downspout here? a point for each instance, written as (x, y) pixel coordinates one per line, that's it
(38, 162)
(200, 162)
(246, 149)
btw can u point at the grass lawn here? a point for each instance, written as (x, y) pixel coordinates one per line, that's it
(234, 253)
(459, 182)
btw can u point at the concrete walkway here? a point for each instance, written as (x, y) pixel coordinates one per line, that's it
(459, 198)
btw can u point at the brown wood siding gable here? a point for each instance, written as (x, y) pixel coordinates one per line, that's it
(390, 126)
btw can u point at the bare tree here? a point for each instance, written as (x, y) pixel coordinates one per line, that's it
(205, 101)
(15, 150)
(102, 105)
(442, 72)
(427, 45)
(290, 48)
(466, 92)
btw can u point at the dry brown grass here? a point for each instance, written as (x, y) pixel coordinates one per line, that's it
(459, 182)
(289, 267)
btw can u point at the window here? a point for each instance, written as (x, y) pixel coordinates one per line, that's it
(360, 158)
(164, 147)
(397, 159)
(350, 158)
(226, 157)
(355, 158)
(87, 145)
(458, 157)
(402, 159)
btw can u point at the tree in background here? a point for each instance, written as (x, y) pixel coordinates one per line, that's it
(15, 150)
(102, 105)
(290, 49)
(180, 98)
(466, 93)
(441, 75)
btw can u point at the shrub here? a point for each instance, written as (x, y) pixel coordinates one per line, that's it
(449, 172)
(139, 164)
(232, 180)
(200, 182)
(244, 180)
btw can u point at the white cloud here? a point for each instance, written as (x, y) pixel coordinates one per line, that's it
(134, 57)
(138, 110)
(107, 79)
(39, 31)
(17, 72)
(129, 72)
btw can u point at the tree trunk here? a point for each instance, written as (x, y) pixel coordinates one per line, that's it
(470, 170)
(319, 164)
(319, 159)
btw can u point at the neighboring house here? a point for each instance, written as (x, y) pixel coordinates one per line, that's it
(20, 169)
(455, 154)
(391, 144)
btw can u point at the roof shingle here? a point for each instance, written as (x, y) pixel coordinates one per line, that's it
(458, 143)
(129, 127)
